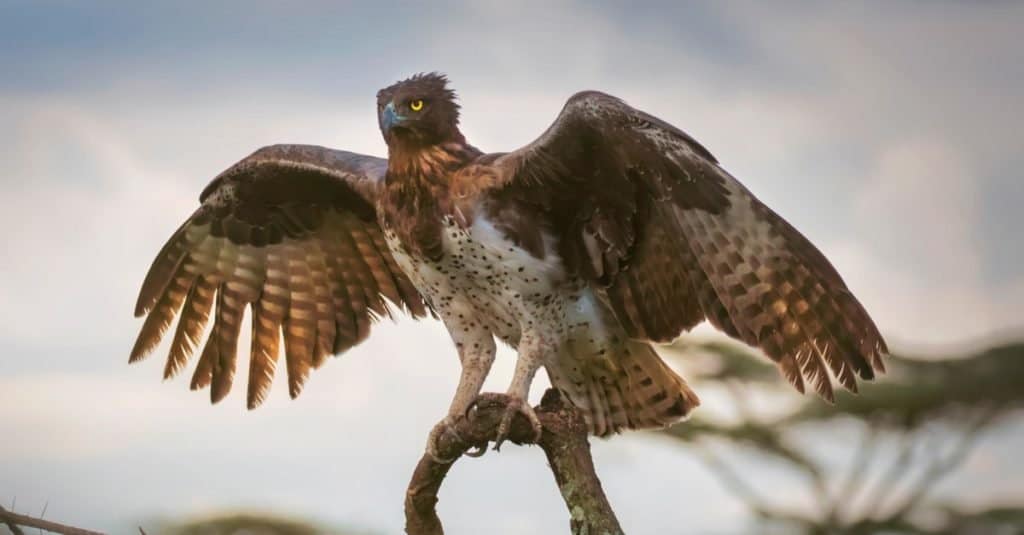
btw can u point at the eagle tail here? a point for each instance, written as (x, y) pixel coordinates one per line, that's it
(625, 386)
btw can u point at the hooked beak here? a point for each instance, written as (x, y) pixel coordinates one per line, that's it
(389, 118)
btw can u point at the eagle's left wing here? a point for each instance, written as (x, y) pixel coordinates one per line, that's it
(668, 238)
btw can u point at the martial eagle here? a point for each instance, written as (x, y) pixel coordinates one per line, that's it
(612, 231)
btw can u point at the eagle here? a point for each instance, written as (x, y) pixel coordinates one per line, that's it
(611, 232)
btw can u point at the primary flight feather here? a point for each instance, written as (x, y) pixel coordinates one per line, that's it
(612, 230)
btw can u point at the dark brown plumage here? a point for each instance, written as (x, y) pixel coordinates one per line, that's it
(612, 230)
(711, 249)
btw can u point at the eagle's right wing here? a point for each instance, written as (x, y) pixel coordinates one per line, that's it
(290, 231)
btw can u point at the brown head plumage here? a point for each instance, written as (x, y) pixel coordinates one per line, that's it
(420, 111)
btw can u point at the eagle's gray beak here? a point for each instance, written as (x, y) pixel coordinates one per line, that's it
(389, 118)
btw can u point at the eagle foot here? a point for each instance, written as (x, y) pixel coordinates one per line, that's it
(517, 405)
(444, 427)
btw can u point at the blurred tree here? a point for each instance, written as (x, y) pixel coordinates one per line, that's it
(249, 524)
(916, 425)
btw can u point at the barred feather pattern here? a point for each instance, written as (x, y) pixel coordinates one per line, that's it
(305, 256)
(757, 279)
(627, 386)
(781, 294)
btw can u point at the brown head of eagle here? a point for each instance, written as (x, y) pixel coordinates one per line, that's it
(419, 112)
(612, 231)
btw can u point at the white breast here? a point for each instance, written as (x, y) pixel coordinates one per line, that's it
(487, 280)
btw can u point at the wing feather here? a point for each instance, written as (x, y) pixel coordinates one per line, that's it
(291, 233)
(267, 322)
(326, 322)
(375, 266)
(227, 325)
(300, 322)
(266, 335)
(345, 293)
(357, 285)
(195, 313)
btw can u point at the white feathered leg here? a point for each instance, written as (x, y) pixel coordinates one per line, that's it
(476, 351)
(532, 349)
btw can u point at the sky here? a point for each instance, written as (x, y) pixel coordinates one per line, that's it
(888, 133)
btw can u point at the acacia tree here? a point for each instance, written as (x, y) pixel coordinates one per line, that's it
(916, 426)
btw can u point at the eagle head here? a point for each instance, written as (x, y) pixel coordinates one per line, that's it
(420, 110)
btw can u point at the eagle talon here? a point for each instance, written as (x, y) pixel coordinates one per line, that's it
(469, 408)
(521, 406)
(478, 450)
(445, 426)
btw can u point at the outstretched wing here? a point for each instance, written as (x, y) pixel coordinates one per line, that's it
(669, 238)
(291, 232)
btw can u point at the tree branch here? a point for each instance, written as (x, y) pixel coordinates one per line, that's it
(11, 525)
(842, 502)
(13, 520)
(892, 478)
(564, 441)
(736, 485)
(941, 466)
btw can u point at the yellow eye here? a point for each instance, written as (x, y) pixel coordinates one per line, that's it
(416, 105)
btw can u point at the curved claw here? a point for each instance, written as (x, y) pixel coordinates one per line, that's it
(472, 405)
(521, 406)
(478, 451)
(445, 426)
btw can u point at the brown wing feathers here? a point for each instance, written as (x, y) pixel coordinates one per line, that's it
(657, 278)
(764, 283)
(293, 242)
(299, 325)
(669, 238)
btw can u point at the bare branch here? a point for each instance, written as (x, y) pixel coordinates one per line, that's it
(735, 484)
(11, 525)
(741, 400)
(901, 464)
(941, 467)
(13, 520)
(564, 441)
(852, 484)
